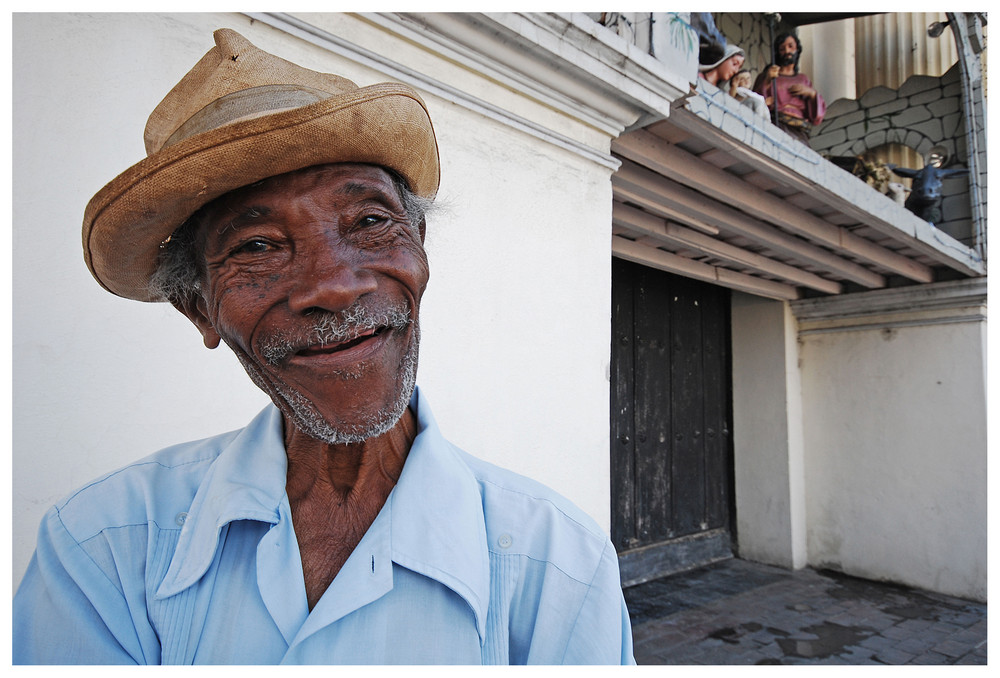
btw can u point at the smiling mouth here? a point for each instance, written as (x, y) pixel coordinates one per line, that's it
(340, 346)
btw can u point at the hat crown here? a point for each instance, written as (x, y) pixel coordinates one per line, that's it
(233, 65)
(239, 116)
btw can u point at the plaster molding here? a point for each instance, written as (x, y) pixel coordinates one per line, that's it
(566, 62)
(958, 301)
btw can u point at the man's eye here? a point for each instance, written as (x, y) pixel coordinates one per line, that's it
(255, 246)
(371, 220)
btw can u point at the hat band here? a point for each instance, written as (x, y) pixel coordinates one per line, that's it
(248, 103)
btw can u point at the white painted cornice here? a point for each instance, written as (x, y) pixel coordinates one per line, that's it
(957, 301)
(564, 60)
(531, 62)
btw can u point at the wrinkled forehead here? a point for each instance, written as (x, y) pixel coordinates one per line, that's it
(338, 178)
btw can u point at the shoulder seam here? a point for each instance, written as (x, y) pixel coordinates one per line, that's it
(587, 528)
(118, 472)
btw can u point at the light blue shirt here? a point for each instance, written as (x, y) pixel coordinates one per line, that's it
(189, 556)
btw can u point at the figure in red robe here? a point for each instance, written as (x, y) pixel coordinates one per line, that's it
(799, 105)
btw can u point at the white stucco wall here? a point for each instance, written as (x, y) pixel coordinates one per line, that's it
(516, 321)
(767, 433)
(859, 427)
(895, 431)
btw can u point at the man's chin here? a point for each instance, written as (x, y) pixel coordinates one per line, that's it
(343, 410)
(307, 419)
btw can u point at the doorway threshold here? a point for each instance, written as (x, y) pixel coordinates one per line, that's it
(676, 555)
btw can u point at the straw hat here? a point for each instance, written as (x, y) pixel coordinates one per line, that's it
(239, 116)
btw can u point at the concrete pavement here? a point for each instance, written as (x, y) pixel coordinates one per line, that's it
(738, 612)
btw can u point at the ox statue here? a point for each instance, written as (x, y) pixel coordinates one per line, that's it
(925, 195)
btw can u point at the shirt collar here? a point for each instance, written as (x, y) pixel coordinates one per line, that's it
(437, 525)
(246, 482)
(438, 528)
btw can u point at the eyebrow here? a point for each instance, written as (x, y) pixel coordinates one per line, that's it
(242, 215)
(364, 191)
(354, 188)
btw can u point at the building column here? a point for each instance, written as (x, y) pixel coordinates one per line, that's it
(767, 433)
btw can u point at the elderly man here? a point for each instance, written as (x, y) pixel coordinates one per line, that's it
(282, 211)
(795, 105)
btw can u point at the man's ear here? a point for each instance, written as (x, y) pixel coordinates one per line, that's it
(422, 228)
(193, 306)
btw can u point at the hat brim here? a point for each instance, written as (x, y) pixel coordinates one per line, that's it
(127, 220)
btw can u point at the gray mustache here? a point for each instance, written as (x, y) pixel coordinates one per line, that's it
(328, 328)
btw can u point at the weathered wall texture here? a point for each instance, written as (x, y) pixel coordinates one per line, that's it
(894, 420)
(859, 430)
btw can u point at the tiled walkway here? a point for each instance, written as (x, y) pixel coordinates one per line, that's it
(738, 612)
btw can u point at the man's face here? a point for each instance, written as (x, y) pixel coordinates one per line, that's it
(314, 280)
(787, 51)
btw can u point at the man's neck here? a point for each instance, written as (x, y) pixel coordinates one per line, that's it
(314, 464)
(336, 491)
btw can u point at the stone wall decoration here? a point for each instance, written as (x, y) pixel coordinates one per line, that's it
(924, 114)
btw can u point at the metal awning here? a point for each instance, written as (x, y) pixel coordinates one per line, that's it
(716, 194)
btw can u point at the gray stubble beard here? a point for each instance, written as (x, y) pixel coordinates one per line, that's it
(306, 417)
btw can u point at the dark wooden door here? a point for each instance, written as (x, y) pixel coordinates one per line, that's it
(671, 459)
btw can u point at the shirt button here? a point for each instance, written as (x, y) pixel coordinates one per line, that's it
(505, 541)
(181, 518)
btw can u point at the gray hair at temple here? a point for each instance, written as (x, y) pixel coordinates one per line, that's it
(179, 272)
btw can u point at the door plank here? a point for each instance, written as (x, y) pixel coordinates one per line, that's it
(623, 533)
(653, 406)
(688, 453)
(671, 462)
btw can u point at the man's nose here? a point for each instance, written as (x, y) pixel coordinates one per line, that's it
(327, 279)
